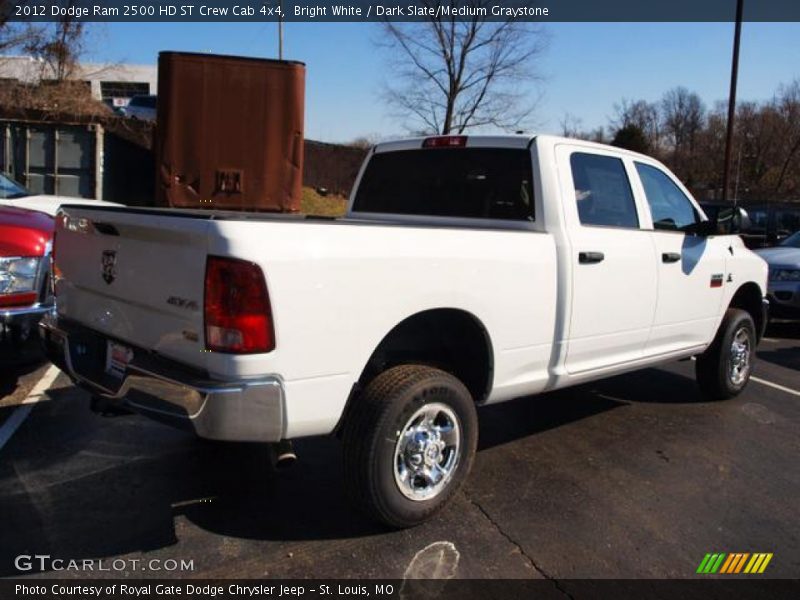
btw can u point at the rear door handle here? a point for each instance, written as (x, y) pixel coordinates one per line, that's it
(670, 257)
(588, 258)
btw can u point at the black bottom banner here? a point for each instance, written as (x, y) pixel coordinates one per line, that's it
(456, 589)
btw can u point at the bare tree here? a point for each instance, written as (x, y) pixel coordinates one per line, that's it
(787, 106)
(683, 116)
(365, 142)
(60, 46)
(55, 83)
(642, 115)
(571, 126)
(14, 35)
(766, 142)
(450, 74)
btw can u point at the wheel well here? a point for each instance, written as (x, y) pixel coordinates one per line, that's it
(448, 339)
(749, 298)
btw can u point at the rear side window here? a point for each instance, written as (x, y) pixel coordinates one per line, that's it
(669, 206)
(602, 191)
(480, 183)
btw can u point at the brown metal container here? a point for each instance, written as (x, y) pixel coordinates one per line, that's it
(229, 132)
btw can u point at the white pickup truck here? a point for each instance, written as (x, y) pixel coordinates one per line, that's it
(468, 271)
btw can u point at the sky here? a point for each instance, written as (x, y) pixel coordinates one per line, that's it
(587, 67)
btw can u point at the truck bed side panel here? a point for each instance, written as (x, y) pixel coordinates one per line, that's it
(336, 290)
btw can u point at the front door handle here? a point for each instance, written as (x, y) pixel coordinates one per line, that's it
(588, 258)
(670, 257)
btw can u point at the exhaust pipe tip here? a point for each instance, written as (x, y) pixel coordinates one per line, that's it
(283, 454)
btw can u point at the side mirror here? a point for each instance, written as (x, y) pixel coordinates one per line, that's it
(730, 220)
(745, 222)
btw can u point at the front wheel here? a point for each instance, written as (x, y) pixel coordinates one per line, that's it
(724, 369)
(409, 444)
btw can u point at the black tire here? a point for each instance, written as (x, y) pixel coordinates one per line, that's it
(714, 368)
(371, 440)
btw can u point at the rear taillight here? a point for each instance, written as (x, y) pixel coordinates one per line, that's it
(237, 310)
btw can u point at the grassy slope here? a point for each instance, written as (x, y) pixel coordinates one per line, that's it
(328, 206)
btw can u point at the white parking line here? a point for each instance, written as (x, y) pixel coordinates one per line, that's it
(23, 410)
(775, 385)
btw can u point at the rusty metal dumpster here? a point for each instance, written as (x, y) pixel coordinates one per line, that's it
(229, 132)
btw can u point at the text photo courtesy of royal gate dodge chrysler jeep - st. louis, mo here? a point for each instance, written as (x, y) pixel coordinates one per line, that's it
(448, 299)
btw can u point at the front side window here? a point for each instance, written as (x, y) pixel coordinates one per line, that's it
(487, 183)
(670, 207)
(602, 191)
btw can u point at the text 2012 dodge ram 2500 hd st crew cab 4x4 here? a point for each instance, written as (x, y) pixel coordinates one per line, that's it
(469, 270)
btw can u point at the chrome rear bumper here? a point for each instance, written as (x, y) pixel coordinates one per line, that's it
(246, 411)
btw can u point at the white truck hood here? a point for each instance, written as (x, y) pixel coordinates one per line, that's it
(51, 204)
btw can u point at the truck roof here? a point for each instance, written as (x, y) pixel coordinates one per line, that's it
(500, 141)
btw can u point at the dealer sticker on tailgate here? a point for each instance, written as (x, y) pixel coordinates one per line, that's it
(117, 359)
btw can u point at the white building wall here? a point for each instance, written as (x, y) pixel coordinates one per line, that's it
(29, 69)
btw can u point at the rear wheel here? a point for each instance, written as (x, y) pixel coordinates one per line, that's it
(724, 369)
(409, 444)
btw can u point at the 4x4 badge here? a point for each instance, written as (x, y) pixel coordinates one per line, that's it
(109, 261)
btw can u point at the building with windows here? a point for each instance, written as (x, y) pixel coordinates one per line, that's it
(114, 84)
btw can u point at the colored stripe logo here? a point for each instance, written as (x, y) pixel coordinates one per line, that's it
(734, 563)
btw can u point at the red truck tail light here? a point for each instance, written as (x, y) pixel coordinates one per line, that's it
(237, 309)
(445, 141)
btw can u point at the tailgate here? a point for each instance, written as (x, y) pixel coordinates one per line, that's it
(137, 276)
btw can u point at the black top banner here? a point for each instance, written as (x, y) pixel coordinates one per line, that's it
(398, 10)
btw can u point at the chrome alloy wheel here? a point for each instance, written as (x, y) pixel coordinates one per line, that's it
(739, 361)
(427, 452)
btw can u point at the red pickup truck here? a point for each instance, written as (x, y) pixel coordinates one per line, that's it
(26, 232)
(25, 241)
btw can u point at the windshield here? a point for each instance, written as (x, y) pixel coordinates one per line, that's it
(11, 189)
(793, 241)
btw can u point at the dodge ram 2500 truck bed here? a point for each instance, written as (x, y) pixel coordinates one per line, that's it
(468, 270)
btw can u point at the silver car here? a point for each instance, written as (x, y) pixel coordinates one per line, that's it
(141, 107)
(784, 277)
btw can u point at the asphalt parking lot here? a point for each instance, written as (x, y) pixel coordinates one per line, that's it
(631, 477)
